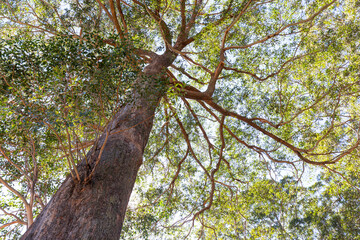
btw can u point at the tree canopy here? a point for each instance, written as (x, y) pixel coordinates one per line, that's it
(256, 136)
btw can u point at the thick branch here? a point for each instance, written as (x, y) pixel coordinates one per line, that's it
(115, 19)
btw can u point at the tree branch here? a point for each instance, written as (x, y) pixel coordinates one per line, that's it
(311, 18)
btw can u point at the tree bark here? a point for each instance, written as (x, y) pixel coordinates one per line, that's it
(95, 209)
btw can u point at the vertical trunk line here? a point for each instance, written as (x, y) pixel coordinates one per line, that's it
(95, 209)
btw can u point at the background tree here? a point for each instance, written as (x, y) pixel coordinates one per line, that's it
(253, 108)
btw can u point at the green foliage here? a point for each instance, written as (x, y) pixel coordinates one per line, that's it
(290, 70)
(56, 94)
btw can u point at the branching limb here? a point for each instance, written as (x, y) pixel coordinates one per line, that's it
(309, 19)
(115, 19)
(122, 16)
(187, 104)
(164, 29)
(213, 172)
(261, 79)
(186, 137)
(28, 209)
(186, 74)
(18, 220)
(11, 223)
(296, 150)
(343, 177)
(15, 165)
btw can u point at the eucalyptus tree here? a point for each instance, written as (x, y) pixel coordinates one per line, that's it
(236, 95)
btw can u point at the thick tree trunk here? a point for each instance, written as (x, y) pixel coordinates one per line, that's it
(96, 209)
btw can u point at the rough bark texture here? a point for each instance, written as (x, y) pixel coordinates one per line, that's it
(96, 209)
